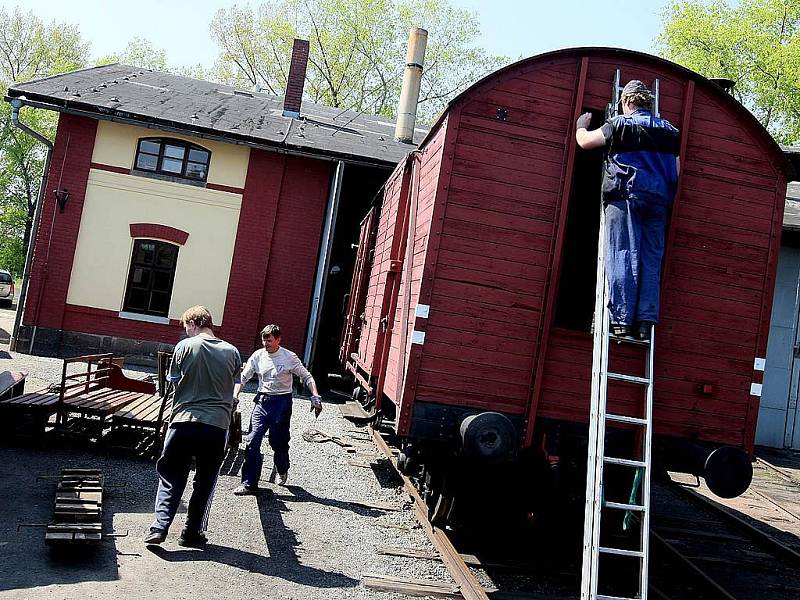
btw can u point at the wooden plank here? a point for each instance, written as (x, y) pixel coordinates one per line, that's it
(547, 181)
(531, 119)
(410, 587)
(470, 183)
(498, 220)
(511, 130)
(556, 253)
(468, 585)
(472, 141)
(540, 211)
(407, 552)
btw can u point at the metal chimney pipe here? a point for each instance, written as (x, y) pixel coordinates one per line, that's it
(409, 94)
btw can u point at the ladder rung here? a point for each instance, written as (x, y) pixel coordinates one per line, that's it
(623, 506)
(604, 597)
(624, 419)
(621, 552)
(624, 462)
(629, 378)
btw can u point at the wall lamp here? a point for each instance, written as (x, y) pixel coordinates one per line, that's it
(62, 196)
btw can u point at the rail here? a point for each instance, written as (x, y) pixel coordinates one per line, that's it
(468, 585)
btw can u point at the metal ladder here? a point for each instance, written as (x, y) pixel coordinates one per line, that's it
(598, 420)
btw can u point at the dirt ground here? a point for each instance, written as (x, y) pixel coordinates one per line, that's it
(313, 539)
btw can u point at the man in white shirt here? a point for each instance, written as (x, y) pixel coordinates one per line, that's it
(275, 367)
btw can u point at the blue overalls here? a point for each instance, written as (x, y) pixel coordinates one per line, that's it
(639, 185)
(272, 413)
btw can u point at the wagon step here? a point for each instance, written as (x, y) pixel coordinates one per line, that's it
(354, 412)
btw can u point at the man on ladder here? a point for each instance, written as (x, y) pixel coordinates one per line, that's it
(639, 182)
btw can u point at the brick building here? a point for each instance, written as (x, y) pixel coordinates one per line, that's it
(164, 192)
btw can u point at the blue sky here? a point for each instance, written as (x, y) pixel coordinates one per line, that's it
(510, 27)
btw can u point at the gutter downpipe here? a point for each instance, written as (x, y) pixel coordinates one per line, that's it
(16, 105)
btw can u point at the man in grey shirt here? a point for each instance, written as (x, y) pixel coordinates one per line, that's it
(204, 371)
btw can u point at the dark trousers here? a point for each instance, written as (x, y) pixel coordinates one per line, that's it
(184, 441)
(635, 232)
(273, 414)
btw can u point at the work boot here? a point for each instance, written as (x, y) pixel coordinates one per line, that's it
(643, 330)
(279, 478)
(245, 490)
(155, 537)
(192, 539)
(621, 331)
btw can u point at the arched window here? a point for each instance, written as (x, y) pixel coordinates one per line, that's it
(150, 278)
(175, 158)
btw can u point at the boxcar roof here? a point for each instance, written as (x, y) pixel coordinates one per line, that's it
(122, 92)
(599, 51)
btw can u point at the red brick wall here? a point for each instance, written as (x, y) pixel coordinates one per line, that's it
(53, 254)
(297, 76)
(158, 232)
(86, 319)
(295, 248)
(277, 243)
(251, 252)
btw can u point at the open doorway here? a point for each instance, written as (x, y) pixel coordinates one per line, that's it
(359, 188)
(577, 279)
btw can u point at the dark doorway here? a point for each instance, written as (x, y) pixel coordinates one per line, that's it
(576, 290)
(360, 186)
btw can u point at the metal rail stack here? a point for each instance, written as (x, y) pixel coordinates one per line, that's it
(78, 512)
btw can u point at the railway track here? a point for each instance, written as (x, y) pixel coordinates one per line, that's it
(725, 555)
(700, 551)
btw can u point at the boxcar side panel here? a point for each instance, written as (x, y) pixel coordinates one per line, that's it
(424, 184)
(371, 329)
(494, 249)
(716, 285)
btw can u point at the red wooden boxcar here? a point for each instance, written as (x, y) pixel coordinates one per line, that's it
(480, 291)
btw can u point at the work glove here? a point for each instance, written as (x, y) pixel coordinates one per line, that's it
(583, 121)
(316, 405)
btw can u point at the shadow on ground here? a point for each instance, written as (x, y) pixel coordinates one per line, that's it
(27, 494)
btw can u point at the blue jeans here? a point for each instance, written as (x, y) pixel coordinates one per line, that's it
(206, 443)
(271, 413)
(635, 232)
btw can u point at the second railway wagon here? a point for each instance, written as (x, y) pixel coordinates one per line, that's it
(469, 320)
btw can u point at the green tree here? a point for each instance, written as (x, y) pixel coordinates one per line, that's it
(756, 43)
(139, 52)
(357, 50)
(29, 49)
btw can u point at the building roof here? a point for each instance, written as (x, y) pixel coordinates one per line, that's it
(195, 107)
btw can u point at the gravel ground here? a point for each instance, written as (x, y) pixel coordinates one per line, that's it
(310, 539)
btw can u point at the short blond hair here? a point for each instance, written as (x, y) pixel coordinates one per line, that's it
(199, 315)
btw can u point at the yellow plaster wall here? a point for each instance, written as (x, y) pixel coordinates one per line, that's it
(102, 256)
(115, 145)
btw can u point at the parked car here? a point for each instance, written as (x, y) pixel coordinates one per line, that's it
(6, 288)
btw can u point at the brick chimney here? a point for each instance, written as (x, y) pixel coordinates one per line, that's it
(296, 79)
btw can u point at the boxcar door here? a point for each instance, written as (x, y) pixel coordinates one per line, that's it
(357, 296)
(778, 417)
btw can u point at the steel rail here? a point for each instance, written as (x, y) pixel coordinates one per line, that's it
(753, 532)
(778, 470)
(699, 573)
(468, 585)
